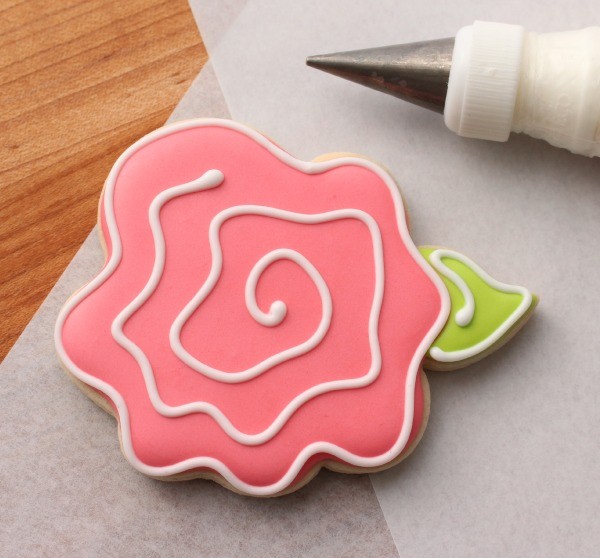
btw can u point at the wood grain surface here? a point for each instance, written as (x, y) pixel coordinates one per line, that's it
(79, 82)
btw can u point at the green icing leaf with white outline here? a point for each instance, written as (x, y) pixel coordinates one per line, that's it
(483, 310)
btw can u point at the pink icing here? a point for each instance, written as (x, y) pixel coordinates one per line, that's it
(365, 421)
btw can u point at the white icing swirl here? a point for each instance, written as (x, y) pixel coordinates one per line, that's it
(464, 316)
(209, 180)
(278, 309)
(273, 318)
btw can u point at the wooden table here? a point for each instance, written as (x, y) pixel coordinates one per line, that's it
(79, 82)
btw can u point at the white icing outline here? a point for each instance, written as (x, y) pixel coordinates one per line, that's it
(314, 448)
(465, 315)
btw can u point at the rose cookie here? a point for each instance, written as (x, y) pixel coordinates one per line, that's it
(260, 317)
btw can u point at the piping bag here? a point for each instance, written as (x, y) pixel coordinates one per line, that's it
(491, 80)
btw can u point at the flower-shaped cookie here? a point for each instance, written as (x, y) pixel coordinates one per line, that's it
(258, 316)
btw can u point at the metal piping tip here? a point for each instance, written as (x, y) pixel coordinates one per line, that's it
(415, 72)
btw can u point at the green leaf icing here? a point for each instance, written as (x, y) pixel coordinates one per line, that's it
(482, 309)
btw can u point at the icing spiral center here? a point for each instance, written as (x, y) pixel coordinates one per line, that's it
(278, 309)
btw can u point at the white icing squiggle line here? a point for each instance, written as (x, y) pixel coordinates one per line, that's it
(465, 315)
(208, 408)
(279, 307)
(317, 447)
